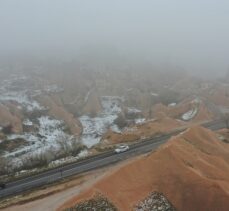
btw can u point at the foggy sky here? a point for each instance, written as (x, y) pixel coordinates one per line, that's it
(193, 34)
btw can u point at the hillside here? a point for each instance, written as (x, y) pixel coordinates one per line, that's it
(95, 109)
(191, 170)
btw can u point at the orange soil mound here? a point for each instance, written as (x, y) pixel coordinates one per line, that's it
(145, 130)
(220, 96)
(113, 138)
(203, 114)
(92, 105)
(56, 109)
(174, 112)
(177, 111)
(7, 117)
(223, 134)
(191, 170)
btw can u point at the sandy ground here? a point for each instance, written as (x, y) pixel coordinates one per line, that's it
(48, 203)
(64, 191)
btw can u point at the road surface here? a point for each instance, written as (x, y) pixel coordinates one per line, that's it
(91, 163)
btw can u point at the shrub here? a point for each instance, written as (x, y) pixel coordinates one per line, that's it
(4, 166)
(7, 129)
(120, 121)
(69, 146)
(35, 161)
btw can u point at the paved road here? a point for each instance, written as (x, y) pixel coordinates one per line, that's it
(91, 163)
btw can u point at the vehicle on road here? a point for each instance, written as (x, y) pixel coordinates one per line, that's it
(2, 185)
(121, 148)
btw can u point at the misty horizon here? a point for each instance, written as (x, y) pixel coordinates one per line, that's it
(190, 35)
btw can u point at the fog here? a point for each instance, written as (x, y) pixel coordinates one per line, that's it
(190, 34)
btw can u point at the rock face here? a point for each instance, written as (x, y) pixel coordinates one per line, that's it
(155, 202)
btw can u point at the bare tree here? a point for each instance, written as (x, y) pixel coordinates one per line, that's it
(69, 146)
(120, 121)
(4, 166)
(76, 147)
(34, 160)
(64, 144)
(7, 129)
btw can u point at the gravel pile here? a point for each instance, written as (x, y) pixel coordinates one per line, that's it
(155, 202)
(97, 203)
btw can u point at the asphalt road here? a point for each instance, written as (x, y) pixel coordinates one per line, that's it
(91, 163)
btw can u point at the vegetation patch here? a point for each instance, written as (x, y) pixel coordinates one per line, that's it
(10, 145)
(7, 129)
(120, 121)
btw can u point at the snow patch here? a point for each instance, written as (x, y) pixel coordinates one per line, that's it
(172, 104)
(27, 122)
(94, 128)
(111, 104)
(53, 88)
(69, 159)
(140, 121)
(21, 98)
(87, 96)
(115, 129)
(190, 114)
(154, 94)
(133, 110)
(46, 138)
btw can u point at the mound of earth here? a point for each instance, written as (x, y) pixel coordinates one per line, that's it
(92, 104)
(220, 96)
(148, 129)
(57, 110)
(223, 135)
(191, 170)
(203, 114)
(176, 111)
(9, 118)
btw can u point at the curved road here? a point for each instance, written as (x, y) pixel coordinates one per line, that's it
(91, 163)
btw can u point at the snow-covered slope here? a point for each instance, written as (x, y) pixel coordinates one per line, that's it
(95, 127)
